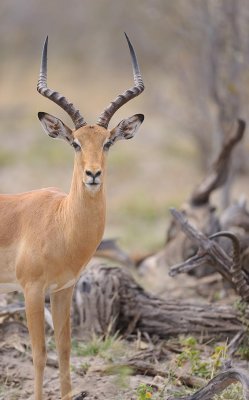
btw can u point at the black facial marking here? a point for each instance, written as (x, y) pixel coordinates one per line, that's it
(76, 146)
(107, 145)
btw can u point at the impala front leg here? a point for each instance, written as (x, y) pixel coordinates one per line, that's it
(34, 303)
(61, 306)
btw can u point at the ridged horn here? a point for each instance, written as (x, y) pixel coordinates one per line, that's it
(128, 95)
(54, 96)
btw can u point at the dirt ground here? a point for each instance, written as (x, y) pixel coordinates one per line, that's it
(88, 373)
(104, 369)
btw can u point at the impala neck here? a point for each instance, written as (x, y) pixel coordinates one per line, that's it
(85, 208)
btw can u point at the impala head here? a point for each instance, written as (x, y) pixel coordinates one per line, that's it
(90, 142)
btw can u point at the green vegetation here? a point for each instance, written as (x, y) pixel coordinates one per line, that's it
(243, 349)
(197, 359)
(84, 367)
(144, 392)
(242, 307)
(233, 392)
(193, 354)
(108, 348)
(204, 366)
(122, 373)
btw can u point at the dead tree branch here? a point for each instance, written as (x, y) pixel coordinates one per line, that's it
(219, 171)
(212, 253)
(112, 301)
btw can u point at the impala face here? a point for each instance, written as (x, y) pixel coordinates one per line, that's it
(91, 144)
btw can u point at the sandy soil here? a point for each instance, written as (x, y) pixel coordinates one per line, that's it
(16, 372)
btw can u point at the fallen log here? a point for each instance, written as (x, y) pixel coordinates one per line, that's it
(12, 309)
(111, 301)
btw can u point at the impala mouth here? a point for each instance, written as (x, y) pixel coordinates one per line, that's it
(93, 186)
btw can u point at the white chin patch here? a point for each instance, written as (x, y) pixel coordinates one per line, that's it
(92, 188)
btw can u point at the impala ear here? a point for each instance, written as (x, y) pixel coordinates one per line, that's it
(127, 128)
(55, 128)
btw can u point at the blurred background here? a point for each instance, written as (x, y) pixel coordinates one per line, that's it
(194, 57)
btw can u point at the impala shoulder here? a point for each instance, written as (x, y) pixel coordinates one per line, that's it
(41, 195)
(53, 191)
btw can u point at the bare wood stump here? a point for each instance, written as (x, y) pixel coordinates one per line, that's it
(112, 301)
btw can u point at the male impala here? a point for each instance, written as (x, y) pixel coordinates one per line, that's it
(47, 236)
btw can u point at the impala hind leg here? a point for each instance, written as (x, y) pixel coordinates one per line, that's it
(61, 307)
(34, 305)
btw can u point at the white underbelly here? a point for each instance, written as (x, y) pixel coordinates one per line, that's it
(55, 288)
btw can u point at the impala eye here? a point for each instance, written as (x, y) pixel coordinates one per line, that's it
(76, 146)
(107, 145)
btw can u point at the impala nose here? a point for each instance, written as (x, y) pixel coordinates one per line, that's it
(93, 175)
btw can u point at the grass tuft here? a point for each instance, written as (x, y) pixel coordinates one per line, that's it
(107, 348)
